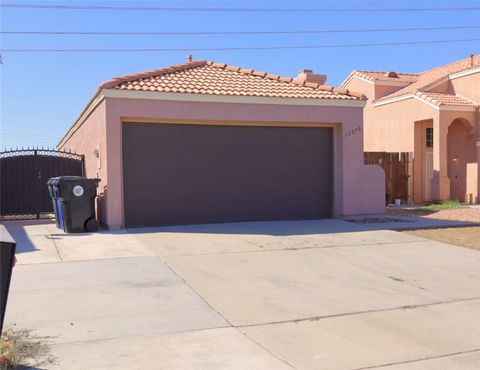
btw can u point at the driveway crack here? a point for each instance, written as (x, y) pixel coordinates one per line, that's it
(322, 317)
(56, 247)
(426, 358)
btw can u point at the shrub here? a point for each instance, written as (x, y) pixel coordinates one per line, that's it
(21, 347)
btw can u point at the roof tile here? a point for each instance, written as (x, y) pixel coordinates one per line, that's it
(202, 77)
(427, 79)
(383, 76)
(445, 99)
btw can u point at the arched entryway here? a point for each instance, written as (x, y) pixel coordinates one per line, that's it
(462, 155)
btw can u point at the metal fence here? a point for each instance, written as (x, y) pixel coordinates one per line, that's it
(23, 180)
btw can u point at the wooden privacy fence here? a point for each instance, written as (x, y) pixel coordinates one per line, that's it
(23, 180)
(396, 167)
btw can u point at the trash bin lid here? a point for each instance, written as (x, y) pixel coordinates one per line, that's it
(75, 179)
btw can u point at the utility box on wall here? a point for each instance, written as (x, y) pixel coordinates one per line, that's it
(7, 256)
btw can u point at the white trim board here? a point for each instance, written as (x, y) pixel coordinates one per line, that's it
(155, 95)
(376, 82)
(437, 107)
(349, 78)
(465, 73)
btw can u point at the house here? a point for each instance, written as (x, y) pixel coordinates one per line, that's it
(435, 116)
(206, 142)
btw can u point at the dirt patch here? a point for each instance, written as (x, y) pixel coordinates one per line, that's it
(468, 237)
(408, 212)
(457, 214)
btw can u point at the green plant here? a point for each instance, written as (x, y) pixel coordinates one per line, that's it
(446, 204)
(21, 347)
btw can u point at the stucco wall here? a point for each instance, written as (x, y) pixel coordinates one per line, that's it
(467, 86)
(392, 125)
(383, 125)
(384, 90)
(359, 189)
(89, 136)
(371, 142)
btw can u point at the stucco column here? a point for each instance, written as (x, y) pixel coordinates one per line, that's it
(440, 181)
(114, 189)
(478, 172)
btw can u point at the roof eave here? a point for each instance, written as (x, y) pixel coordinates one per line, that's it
(235, 99)
(92, 104)
(102, 94)
(430, 102)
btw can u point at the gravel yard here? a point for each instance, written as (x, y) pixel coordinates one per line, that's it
(471, 214)
(468, 237)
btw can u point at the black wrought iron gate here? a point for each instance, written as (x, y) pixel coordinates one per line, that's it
(23, 180)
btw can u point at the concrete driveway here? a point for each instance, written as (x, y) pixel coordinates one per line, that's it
(272, 295)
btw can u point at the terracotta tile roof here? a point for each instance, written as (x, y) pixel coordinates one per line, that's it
(445, 99)
(432, 76)
(203, 77)
(385, 76)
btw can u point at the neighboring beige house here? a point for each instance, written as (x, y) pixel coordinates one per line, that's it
(206, 142)
(435, 116)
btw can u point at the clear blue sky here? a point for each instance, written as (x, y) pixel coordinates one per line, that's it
(41, 94)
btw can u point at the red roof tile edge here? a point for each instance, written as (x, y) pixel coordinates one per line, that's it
(434, 81)
(182, 67)
(365, 75)
(127, 78)
(432, 98)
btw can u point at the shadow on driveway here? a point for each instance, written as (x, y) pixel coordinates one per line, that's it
(17, 230)
(273, 228)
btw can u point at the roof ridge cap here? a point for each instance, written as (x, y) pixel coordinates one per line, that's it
(155, 72)
(448, 64)
(400, 73)
(287, 80)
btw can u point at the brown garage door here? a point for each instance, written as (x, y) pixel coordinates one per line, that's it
(187, 174)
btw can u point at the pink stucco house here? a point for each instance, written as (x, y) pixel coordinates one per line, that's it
(206, 142)
(435, 116)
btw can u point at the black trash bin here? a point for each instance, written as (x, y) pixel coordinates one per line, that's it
(57, 205)
(77, 199)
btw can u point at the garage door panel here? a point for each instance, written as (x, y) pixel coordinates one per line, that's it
(253, 169)
(180, 174)
(255, 190)
(218, 211)
(253, 163)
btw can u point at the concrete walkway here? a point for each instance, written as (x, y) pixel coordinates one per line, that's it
(271, 295)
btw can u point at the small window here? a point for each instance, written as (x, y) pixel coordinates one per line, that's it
(429, 137)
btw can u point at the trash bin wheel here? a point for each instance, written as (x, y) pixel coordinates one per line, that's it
(91, 225)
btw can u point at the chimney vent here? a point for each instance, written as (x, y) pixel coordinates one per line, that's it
(392, 74)
(307, 75)
(189, 58)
